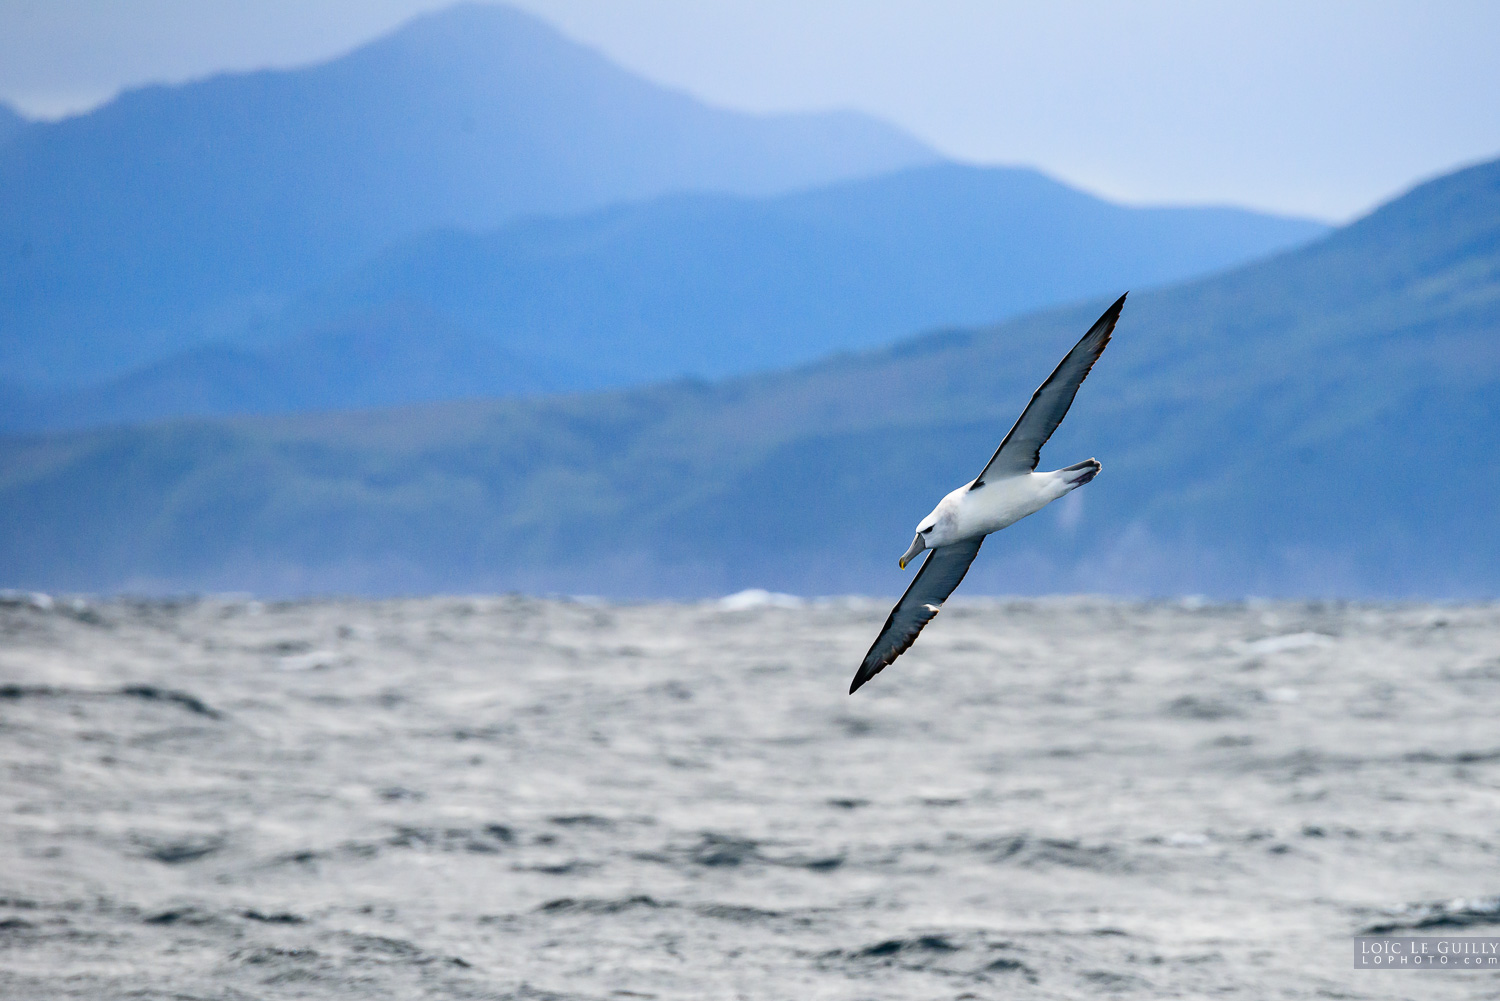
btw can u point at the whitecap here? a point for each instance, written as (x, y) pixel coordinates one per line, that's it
(758, 598)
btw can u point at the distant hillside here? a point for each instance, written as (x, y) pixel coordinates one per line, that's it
(704, 286)
(372, 358)
(11, 122)
(1324, 423)
(177, 215)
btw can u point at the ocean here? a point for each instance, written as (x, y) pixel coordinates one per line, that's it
(510, 797)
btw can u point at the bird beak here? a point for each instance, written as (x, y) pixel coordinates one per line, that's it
(917, 545)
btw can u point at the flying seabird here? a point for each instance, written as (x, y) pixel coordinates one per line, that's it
(1006, 490)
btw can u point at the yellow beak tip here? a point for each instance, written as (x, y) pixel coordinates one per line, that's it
(903, 564)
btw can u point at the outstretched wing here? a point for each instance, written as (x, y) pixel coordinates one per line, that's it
(944, 567)
(1022, 447)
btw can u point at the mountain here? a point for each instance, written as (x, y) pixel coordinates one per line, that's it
(11, 123)
(399, 352)
(1320, 423)
(710, 287)
(178, 215)
(701, 285)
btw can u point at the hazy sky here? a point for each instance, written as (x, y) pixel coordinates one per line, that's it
(1319, 107)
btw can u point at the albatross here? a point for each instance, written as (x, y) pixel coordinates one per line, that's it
(1006, 490)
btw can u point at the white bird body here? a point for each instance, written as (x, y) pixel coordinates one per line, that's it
(1005, 491)
(967, 513)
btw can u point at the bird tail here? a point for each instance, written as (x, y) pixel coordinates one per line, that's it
(1080, 473)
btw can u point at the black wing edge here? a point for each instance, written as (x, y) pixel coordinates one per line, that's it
(1107, 320)
(872, 664)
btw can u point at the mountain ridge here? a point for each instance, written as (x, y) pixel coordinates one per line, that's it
(688, 285)
(1318, 424)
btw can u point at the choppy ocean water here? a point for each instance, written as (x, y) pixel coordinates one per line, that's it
(518, 798)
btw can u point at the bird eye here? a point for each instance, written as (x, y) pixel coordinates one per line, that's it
(924, 531)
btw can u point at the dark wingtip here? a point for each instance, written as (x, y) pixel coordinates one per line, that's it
(1106, 324)
(859, 679)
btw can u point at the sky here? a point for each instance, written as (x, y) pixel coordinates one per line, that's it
(1321, 109)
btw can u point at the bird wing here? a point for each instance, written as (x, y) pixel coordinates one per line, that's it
(1022, 447)
(944, 567)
